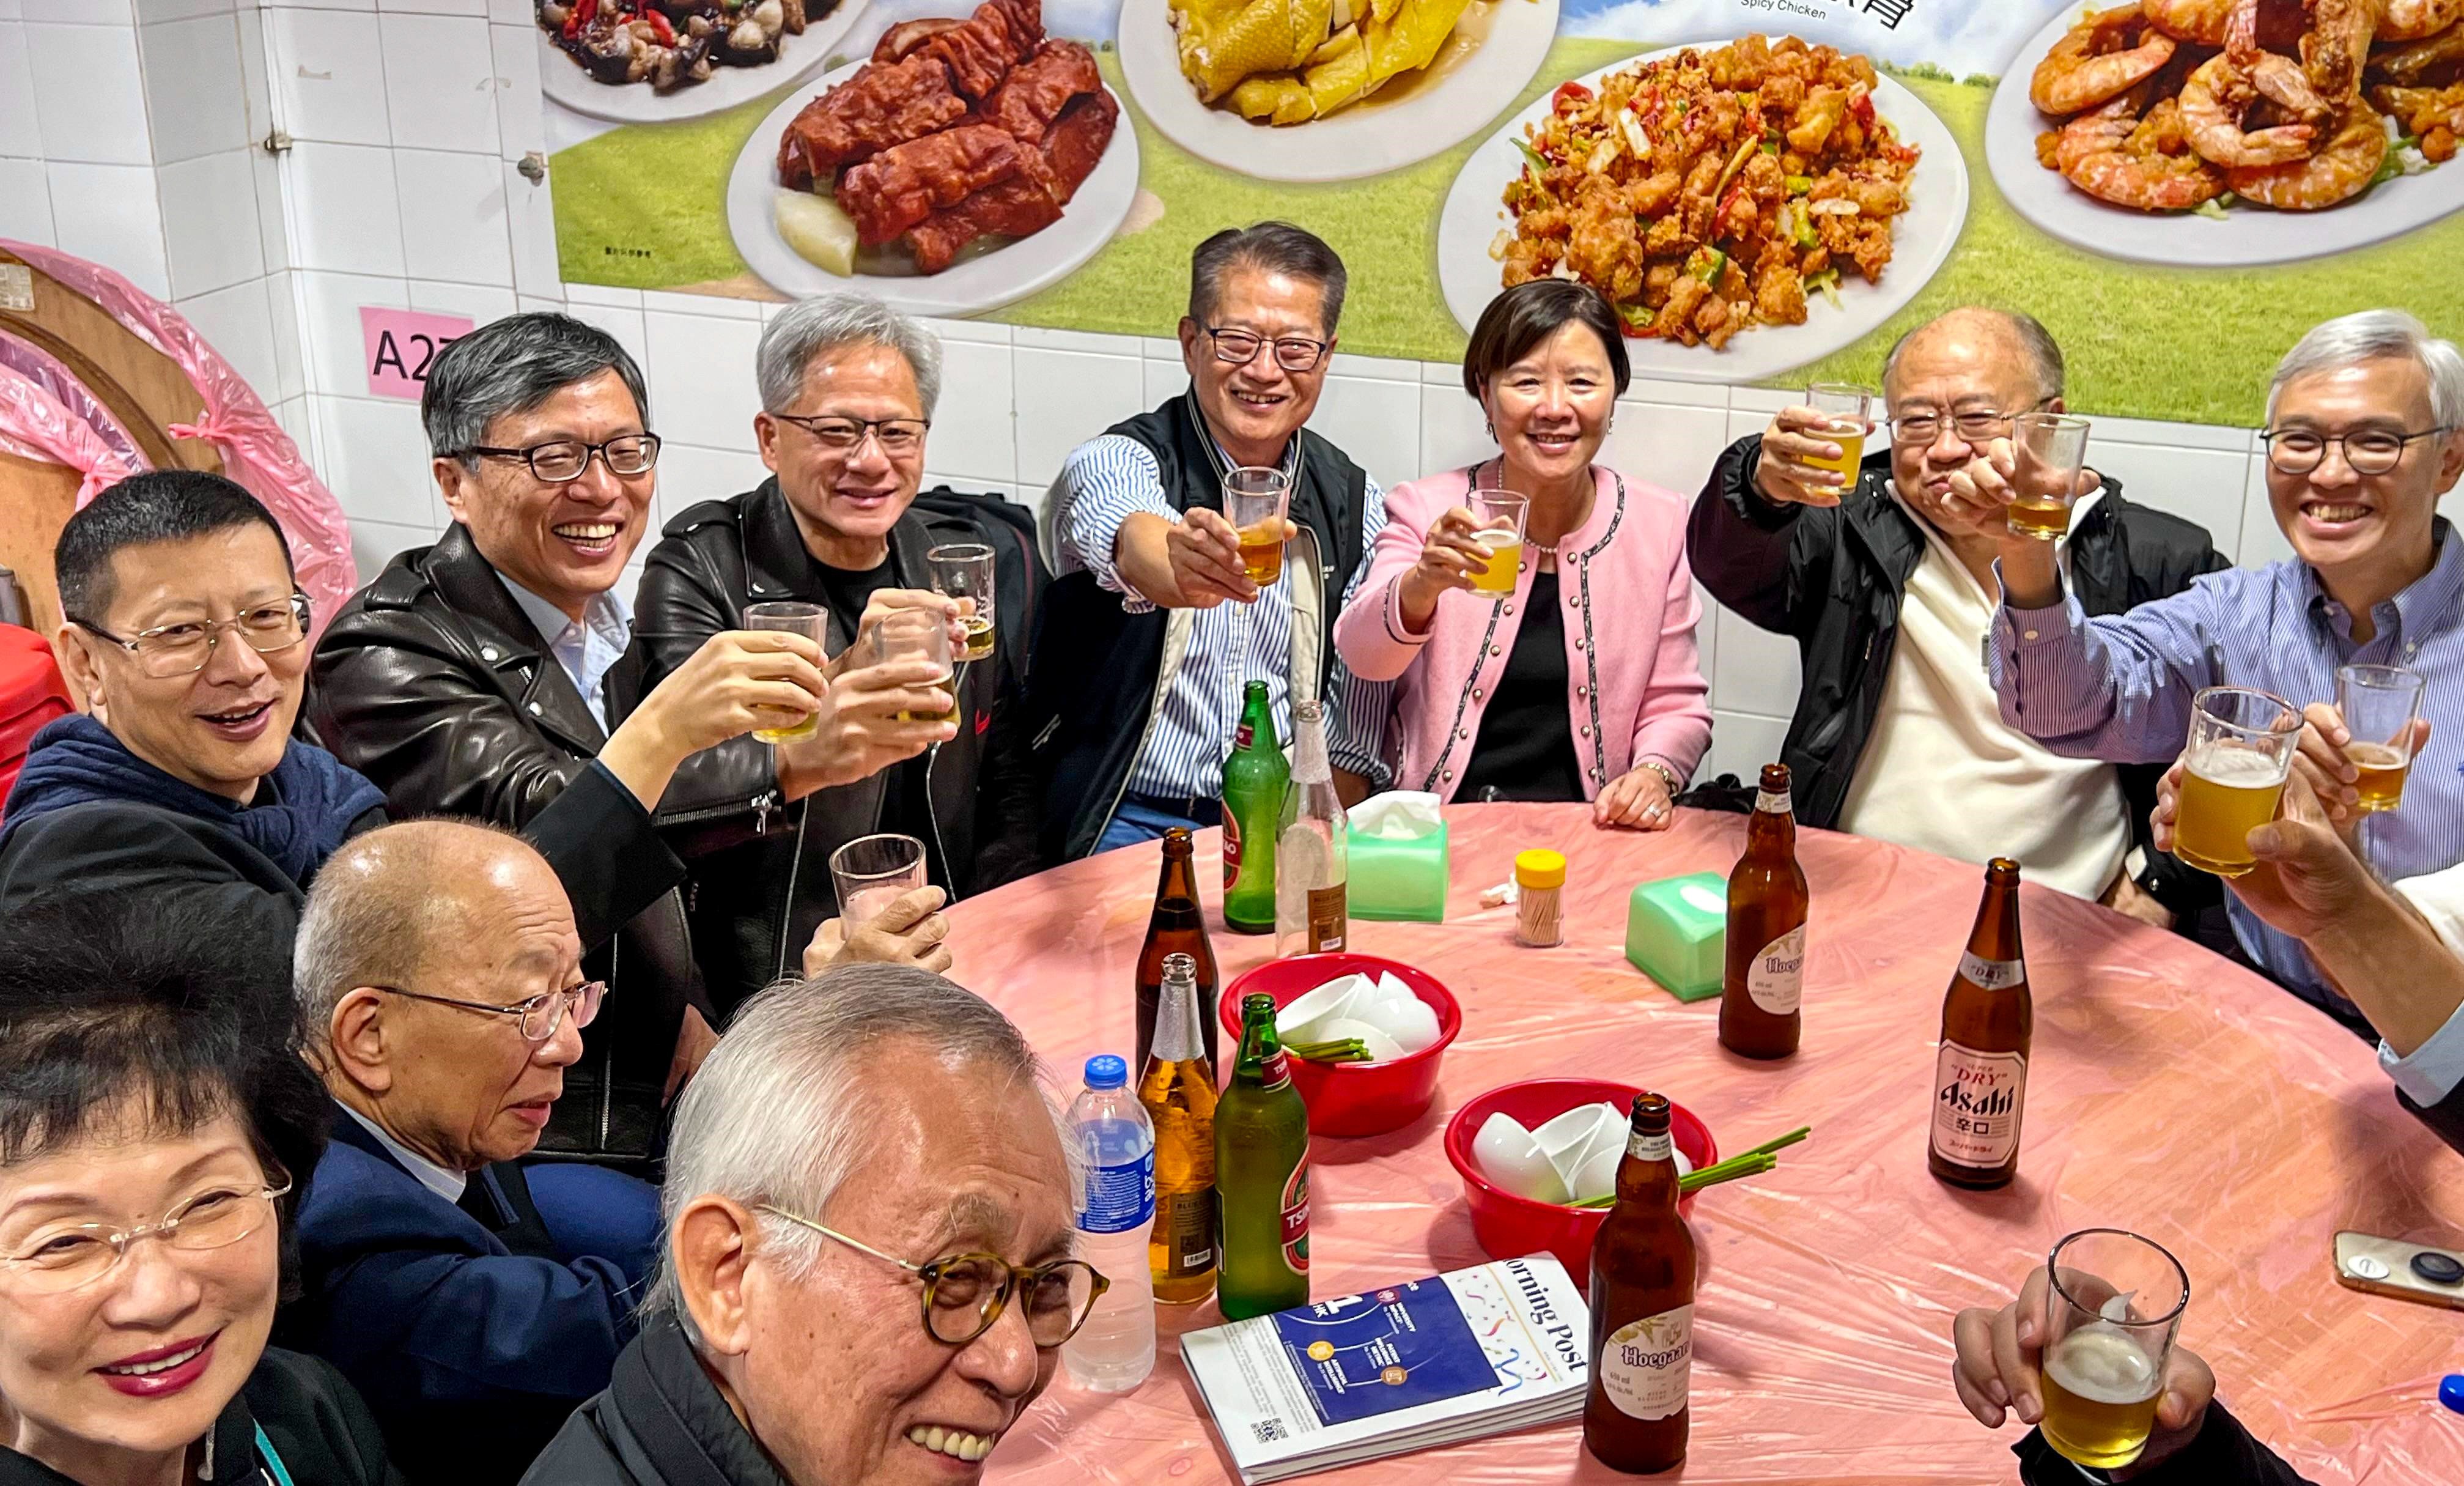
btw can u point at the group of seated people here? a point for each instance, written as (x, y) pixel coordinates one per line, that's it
(496, 857)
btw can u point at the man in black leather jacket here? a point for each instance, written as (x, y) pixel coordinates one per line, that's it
(1890, 737)
(483, 675)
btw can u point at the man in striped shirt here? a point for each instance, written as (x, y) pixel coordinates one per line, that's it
(1152, 629)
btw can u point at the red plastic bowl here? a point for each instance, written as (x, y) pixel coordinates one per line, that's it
(1509, 1226)
(1352, 1098)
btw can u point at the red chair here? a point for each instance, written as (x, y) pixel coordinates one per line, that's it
(32, 694)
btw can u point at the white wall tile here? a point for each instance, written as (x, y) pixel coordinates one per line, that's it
(330, 323)
(972, 433)
(2171, 435)
(349, 219)
(21, 129)
(2202, 485)
(990, 332)
(12, 9)
(708, 305)
(88, 94)
(26, 203)
(601, 294)
(440, 81)
(530, 221)
(91, 12)
(1742, 742)
(329, 74)
(235, 321)
(690, 474)
(289, 356)
(1453, 433)
(376, 462)
(210, 223)
(373, 543)
(1763, 401)
(480, 302)
(1685, 394)
(700, 372)
(109, 213)
(511, 12)
(1757, 671)
(436, 7)
(1065, 398)
(1090, 342)
(1163, 379)
(196, 103)
(1671, 447)
(298, 419)
(454, 217)
(149, 11)
(272, 208)
(1376, 422)
(626, 326)
(520, 127)
(257, 79)
(2262, 541)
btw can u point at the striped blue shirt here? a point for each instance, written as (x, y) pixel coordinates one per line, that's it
(1108, 480)
(2119, 687)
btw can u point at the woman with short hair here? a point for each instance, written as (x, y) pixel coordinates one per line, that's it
(1582, 683)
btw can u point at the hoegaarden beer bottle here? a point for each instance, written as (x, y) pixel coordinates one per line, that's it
(1256, 777)
(1262, 1176)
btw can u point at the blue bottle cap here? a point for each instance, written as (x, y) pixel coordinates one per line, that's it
(1104, 1071)
(2450, 1391)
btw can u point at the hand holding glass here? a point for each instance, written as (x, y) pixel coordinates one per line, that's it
(2111, 1315)
(791, 618)
(2050, 452)
(964, 571)
(1850, 407)
(2240, 748)
(1498, 518)
(2380, 704)
(870, 873)
(1256, 501)
(903, 634)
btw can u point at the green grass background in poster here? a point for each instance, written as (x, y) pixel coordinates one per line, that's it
(643, 207)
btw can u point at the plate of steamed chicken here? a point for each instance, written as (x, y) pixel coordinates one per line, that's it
(969, 162)
(2232, 133)
(655, 61)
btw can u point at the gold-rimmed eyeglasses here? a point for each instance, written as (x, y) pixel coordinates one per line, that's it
(538, 1016)
(55, 1258)
(965, 1292)
(182, 649)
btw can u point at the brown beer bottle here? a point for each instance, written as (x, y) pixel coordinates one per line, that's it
(1636, 1415)
(1980, 1077)
(1766, 908)
(1178, 927)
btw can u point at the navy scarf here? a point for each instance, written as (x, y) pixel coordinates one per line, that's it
(303, 810)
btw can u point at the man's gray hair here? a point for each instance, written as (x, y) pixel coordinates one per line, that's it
(816, 327)
(377, 908)
(785, 1109)
(512, 366)
(1270, 247)
(2046, 367)
(2377, 335)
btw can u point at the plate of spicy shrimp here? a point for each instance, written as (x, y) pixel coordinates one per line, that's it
(2234, 133)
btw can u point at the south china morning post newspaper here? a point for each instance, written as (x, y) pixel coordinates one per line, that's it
(1431, 1361)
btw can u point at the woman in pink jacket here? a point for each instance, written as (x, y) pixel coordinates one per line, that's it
(1583, 683)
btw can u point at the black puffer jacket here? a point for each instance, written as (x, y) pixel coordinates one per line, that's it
(1833, 577)
(661, 1422)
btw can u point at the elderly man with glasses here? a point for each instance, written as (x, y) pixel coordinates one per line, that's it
(1888, 591)
(868, 1277)
(473, 1298)
(2365, 434)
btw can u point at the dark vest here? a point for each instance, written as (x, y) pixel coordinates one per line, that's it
(1096, 666)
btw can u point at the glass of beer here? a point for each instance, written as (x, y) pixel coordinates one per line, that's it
(794, 618)
(1496, 518)
(1850, 409)
(2241, 746)
(1255, 502)
(2050, 451)
(2380, 704)
(2110, 1320)
(903, 634)
(964, 571)
(870, 873)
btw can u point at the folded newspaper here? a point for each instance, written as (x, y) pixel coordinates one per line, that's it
(1435, 1362)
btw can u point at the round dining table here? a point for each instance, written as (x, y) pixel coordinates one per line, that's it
(2169, 1093)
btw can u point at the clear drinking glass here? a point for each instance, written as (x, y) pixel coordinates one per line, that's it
(1497, 518)
(2050, 451)
(2110, 1320)
(1850, 409)
(2240, 748)
(872, 871)
(792, 619)
(2380, 704)
(964, 571)
(1255, 502)
(906, 632)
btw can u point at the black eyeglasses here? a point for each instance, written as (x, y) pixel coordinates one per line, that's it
(1240, 347)
(898, 437)
(2369, 452)
(538, 1016)
(182, 649)
(965, 1292)
(563, 459)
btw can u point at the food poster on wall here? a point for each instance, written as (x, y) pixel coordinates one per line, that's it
(1768, 190)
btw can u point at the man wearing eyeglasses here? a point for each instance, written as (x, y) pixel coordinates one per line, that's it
(1152, 626)
(1887, 587)
(473, 1298)
(2363, 438)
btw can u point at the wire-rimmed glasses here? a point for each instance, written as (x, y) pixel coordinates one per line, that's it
(964, 1293)
(538, 1016)
(53, 1259)
(184, 648)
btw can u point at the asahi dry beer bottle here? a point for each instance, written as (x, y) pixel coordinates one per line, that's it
(1980, 1077)
(1767, 909)
(1637, 1414)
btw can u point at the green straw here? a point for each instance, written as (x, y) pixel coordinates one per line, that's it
(1753, 1163)
(1348, 1050)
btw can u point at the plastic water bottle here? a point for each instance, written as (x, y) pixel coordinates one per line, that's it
(1115, 1350)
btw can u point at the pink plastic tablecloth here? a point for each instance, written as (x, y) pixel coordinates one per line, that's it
(2170, 1093)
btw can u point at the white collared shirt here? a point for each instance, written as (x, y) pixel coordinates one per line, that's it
(443, 1180)
(587, 648)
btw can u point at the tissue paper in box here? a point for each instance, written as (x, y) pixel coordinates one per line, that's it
(1399, 861)
(1676, 931)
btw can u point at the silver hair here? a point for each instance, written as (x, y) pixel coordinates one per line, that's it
(2044, 354)
(814, 327)
(376, 910)
(512, 366)
(783, 1112)
(2377, 335)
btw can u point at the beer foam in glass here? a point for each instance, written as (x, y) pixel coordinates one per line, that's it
(1850, 409)
(964, 571)
(2240, 748)
(2111, 1315)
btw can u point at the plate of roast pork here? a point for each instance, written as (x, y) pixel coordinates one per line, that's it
(969, 162)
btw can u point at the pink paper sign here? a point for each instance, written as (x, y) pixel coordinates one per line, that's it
(402, 343)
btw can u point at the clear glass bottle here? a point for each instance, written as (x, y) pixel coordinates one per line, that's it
(1311, 907)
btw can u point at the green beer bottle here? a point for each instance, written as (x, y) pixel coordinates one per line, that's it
(1256, 778)
(1262, 1176)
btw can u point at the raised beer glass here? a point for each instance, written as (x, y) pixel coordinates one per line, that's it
(2380, 704)
(792, 619)
(870, 873)
(2110, 1319)
(2241, 746)
(964, 571)
(1498, 519)
(2050, 453)
(1255, 502)
(1850, 412)
(904, 632)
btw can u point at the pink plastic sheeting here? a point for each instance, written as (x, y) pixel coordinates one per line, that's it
(2170, 1093)
(255, 450)
(36, 425)
(52, 376)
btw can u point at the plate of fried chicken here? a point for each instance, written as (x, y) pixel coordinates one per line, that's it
(657, 61)
(969, 162)
(2234, 133)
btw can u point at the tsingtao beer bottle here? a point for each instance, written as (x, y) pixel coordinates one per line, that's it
(1262, 1175)
(1177, 927)
(1178, 1092)
(1255, 780)
(1980, 1079)
(1766, 908)
(1636, 1415)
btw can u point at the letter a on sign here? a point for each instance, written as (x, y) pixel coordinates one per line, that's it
(401, 343)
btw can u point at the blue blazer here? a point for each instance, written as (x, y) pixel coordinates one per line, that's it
(470, 1339)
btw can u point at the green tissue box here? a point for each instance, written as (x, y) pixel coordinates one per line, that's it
(1403, 880)
(1677, 931)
